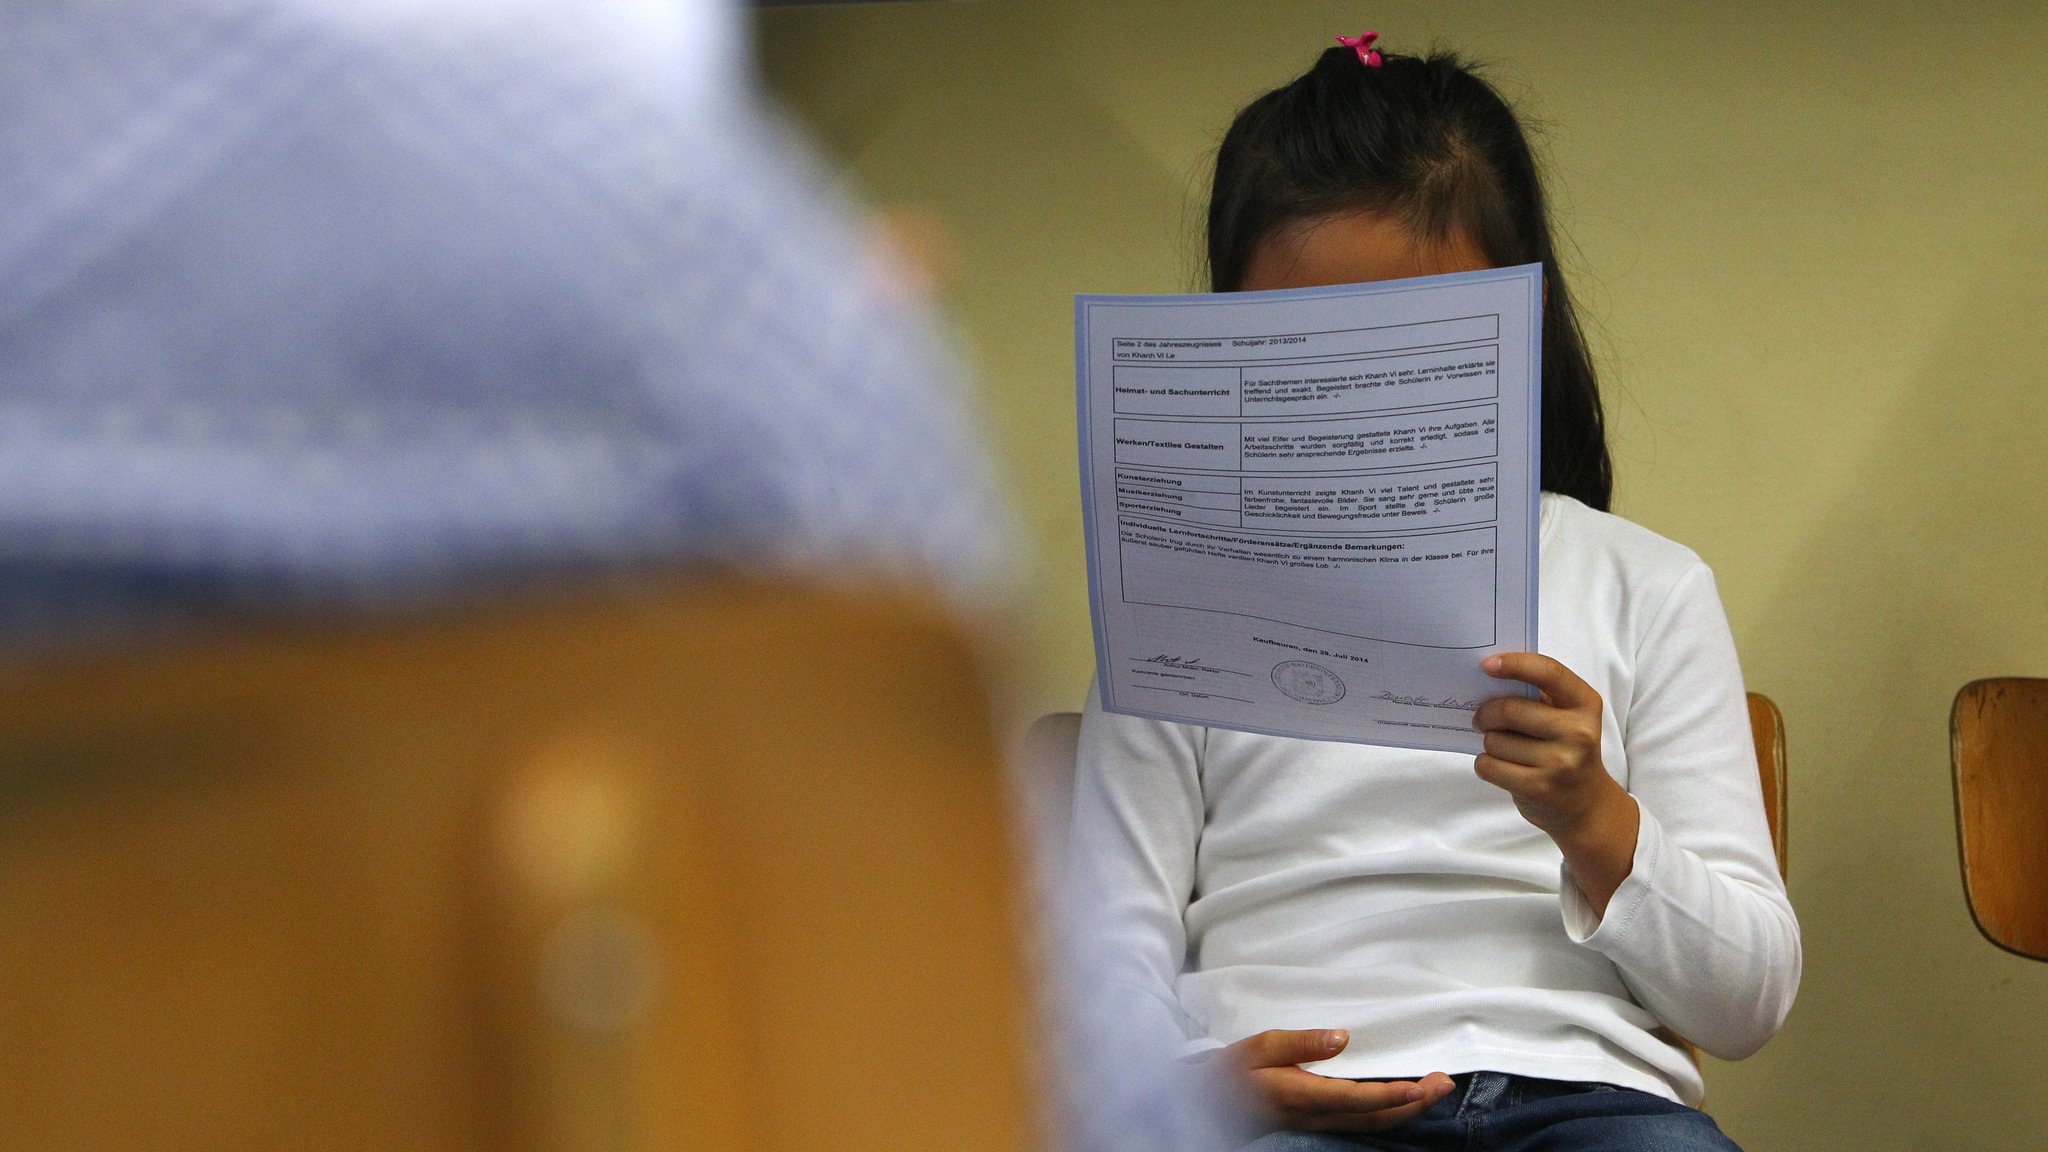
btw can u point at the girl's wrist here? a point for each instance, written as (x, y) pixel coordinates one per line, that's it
(1600, 847)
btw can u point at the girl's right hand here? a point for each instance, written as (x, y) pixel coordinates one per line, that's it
(1296, 1099)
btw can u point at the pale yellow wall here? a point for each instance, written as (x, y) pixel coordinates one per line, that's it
(1814, 241)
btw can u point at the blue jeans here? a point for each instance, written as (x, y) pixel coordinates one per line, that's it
(1496, 1112)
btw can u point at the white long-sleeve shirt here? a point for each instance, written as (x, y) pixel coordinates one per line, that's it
(1252, 882)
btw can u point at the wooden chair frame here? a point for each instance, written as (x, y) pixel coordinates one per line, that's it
(1998, 756)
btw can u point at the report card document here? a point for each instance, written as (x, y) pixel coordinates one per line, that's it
(1312, 512)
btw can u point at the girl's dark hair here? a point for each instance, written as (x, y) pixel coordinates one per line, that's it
(1426, 141)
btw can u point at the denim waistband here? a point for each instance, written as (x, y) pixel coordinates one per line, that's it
(1482, 1092)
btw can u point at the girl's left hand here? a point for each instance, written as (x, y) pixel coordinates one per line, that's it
(1546, 754)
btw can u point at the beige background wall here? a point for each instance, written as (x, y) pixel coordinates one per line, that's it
(1814, 242)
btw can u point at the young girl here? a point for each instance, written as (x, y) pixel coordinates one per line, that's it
(1500, 952)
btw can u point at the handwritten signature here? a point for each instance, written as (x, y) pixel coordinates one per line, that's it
(1450, 702)
(1187, 663)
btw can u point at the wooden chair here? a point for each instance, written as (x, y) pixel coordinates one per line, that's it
(1767, 728)
(1049, 745)
(722, 869)
(1998, 749)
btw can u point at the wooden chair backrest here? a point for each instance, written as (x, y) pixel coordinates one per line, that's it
(1998, 750)
(724, 869)
(1050, 743)
(1767, 728)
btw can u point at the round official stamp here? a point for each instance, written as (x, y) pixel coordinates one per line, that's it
(1308, 683)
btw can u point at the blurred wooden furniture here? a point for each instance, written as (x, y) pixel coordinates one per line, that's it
(716, 870)
(1049, 744)
(1998, 749)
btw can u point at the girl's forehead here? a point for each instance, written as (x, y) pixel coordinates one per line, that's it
(1354, 247)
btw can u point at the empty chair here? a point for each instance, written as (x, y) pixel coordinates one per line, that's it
(1998, 749)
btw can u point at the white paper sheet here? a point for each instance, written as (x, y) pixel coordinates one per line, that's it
(1313, 512)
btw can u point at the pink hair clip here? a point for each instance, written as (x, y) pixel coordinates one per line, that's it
(1367, 54)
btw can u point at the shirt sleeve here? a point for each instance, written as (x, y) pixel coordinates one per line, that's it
(1138, 814)
(1701, 930)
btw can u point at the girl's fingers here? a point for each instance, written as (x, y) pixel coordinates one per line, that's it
(1520, 714)
(1378, 1121)
(1286, 1047)
(1297, 1092)
(1431, 1089)
(1559, 683)
(1504, 774)
(1525, 752)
